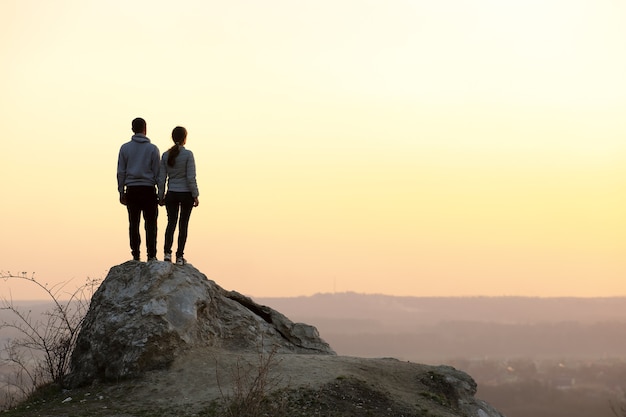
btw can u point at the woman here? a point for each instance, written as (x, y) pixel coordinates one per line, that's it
(178, 168)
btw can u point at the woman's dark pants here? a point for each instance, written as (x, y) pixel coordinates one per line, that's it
(177, 203)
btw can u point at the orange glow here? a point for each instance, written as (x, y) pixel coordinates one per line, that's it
(405, 148)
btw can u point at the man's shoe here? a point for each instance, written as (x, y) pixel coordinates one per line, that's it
(180, 260)
(153, 258)
(167, 257)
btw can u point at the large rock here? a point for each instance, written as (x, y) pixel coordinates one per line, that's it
(145, 314)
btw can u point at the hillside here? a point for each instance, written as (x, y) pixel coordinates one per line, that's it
(163, 340)
(302, 385)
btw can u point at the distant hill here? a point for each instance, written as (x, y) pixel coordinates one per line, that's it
(434, 329)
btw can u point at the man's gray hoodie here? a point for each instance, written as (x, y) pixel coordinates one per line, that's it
(138, 163)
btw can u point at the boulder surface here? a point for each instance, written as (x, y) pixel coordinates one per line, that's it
(144, 315)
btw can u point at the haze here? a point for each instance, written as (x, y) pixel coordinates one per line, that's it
(417, 148)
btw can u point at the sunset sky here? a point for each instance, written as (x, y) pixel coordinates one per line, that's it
(417, 147)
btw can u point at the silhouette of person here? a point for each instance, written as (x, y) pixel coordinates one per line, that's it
(137, 175)
(178, 169)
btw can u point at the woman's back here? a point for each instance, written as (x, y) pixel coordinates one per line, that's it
(180, 177)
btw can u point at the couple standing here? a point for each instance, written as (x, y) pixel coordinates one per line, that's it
(141, 168)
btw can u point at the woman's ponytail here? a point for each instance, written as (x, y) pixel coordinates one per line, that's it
(179, 134)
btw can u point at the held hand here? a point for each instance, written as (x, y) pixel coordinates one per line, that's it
(123, 199)
(196, 202)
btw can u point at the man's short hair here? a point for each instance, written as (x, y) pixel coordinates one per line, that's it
(139, 125)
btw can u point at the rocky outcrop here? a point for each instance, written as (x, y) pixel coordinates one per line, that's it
(454, 391)
(145, 314)
(172, 339)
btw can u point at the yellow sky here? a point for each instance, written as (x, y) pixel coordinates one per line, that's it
(402, 147)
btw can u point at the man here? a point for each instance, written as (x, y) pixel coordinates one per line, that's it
(137, 174)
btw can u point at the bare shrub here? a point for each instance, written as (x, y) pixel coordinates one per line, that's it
(252, 387)
(40, 352)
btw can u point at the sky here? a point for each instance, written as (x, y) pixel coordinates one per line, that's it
(402, 147)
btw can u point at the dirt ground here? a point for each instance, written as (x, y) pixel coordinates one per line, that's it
(196, 382)
(204, 376)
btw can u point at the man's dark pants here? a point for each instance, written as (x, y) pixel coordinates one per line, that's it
(142, 199)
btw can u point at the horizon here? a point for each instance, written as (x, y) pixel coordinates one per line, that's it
(412, 148)
(435, 297)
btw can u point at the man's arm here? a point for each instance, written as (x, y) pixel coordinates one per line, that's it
(155, 163)
(121, 175)
(162, 179)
